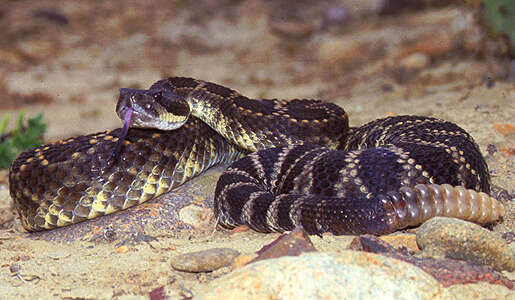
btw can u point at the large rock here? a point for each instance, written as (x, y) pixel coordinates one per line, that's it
(458, 239)
(349, 275)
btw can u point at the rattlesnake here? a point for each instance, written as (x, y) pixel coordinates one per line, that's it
(310, 168)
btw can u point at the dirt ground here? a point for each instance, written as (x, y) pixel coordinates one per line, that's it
(68, 59)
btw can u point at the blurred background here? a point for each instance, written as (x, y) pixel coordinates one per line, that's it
(449, 59)
(68, 59)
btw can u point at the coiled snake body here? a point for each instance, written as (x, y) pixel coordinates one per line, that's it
(311, 169)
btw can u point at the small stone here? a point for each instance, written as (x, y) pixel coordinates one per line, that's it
(196, 216)
(315, 275)
(415, 61)
(458, 239)
(204, 261)
(505, 129)
(122, 249)
(509, 236)
(491, 149)
(291, 244)
(158, 294)
(14, 268)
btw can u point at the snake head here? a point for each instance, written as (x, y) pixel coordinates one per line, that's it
(154, 108)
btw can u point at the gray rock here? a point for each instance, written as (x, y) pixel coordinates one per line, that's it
(458, 239)
(204, 261)
(348, 275)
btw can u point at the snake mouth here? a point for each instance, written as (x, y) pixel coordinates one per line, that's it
(124, 101)
(135, 100)
(152, 109)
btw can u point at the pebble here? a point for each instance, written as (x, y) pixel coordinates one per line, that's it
(122, 249)
(204, 261)
(415, 61)
(315, 275)
(290, 244)
(158, 294)
(458, 239)
(196, 216)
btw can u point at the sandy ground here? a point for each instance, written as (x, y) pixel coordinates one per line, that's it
(68, 59)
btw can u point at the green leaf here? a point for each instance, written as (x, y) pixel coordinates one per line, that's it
(500, 17)
(25, 136)
(3, 124)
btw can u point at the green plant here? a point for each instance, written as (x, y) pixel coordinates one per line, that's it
(499, 16)
(21, 138)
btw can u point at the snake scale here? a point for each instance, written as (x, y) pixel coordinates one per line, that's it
(294, 162)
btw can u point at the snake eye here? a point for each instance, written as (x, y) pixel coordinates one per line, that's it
(148, 106)
(157, 95)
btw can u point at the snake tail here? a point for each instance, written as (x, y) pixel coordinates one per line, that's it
(411, 206)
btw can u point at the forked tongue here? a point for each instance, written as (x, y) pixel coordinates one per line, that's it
(121, 138)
